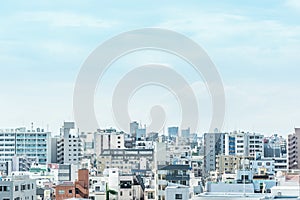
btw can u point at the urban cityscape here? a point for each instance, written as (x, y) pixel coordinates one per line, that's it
(111, 164)
(149, 100)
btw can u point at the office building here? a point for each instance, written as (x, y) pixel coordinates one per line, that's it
(34, 144)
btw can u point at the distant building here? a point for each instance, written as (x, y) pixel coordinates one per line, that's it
(173, 132)
(105, 140)
(133, 128)
(293, 146)
(127, 160)
(214, 144)
(185, 133)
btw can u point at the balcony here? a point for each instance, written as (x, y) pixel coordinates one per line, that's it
(174, 177)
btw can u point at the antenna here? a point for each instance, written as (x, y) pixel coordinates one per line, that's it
(31, 126)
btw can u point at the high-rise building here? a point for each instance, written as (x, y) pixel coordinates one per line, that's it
(133, 127)
(173, 132)
(214, 144)
(293, 146)
(67, 148)
(186, 133)
(34, 144)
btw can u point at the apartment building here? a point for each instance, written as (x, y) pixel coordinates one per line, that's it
(108, 139)
(34, 144)
(214, 144)
(293, 149)
(77, 189)
(68, 147)
(171, 175)
(17, 188)
(127, 160)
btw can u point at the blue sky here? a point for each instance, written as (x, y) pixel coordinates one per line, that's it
(255, 46)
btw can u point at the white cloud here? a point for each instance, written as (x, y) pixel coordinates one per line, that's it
(66, 19)
(294, 4)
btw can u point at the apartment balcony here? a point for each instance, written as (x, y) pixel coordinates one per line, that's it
(177, 177)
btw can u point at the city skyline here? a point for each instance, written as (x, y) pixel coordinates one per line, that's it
(255, 47)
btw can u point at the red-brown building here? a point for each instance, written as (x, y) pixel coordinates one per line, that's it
(79, 189)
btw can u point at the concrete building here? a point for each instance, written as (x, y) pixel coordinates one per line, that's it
(293, 146)
(263, 167)
(177, 192)
(17, 188)
(34, 144)
(108, 139)
(173, 132)
(171, 174)
(185, 133)
(133, 128)
(68, 147)
(128, 160)
(255, 144)
(214, 144)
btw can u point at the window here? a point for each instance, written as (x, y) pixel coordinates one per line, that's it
(70, 191)
(16, 188)
(121, 193)
(61, 192)
(150, 195)
(178, 196)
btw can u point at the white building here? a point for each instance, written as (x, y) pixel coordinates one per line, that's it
(67, 148)
(34, 144)
(177, 192)
(17, 187)
(108, 139)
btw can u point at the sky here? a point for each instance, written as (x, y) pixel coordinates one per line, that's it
(255, 46)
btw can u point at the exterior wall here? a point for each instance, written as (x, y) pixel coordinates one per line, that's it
(214, 144)
(265, 166)
(108, 140)
(64, 192)
(127, 160)
(177, 193)
(15, 187)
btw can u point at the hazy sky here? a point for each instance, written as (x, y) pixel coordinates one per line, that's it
(255, 46)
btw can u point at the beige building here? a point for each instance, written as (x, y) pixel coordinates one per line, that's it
(228, 164)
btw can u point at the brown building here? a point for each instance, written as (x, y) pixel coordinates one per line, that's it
(78, 189)
(293, 149)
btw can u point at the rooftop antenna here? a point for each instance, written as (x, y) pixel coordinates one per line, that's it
(31, 126)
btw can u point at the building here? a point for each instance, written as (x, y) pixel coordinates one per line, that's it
(171, 175)
(293, 146)
(127, 160)
(141, 134)
(255, 144)
(177, 192)
(185, 133)
(34, 144)
(173, 132)
(17, 188)
(214, 144)
(77, 189)
(68, 147)
(133, 128)
(108, 139)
